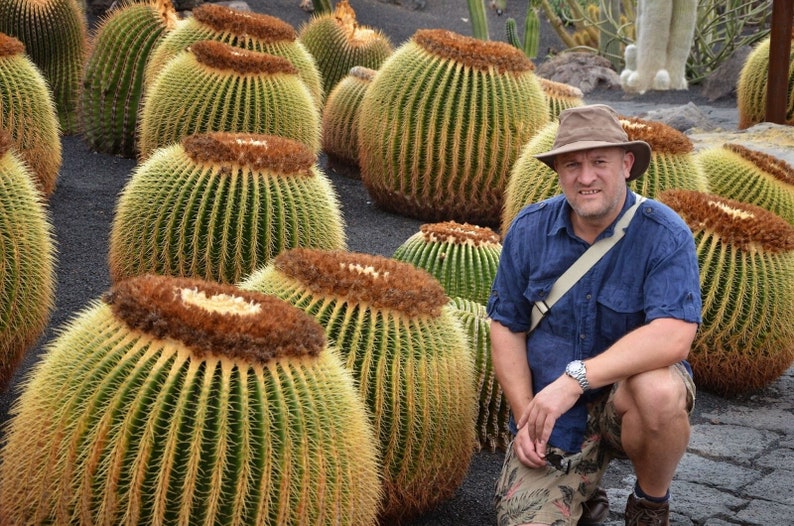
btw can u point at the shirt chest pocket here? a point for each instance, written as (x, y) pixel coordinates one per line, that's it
(620, 310)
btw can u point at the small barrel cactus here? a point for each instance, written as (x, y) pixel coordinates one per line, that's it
(337, 42)
(340, 118)
(188, 402)
(27, 112)
(560, 96)
(493, 419)
(243, 29)
(462, 257)
(27, 261)
(212, 86)
(442, 124)
(746, 257)
(219, 205)
(751, 89)
(672, 165)
(737, 172)
(393, 325)
(55, 36)
(113, 77)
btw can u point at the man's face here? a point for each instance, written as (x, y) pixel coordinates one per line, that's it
(594, 181)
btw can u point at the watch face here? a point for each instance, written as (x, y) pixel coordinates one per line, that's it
(576, 367)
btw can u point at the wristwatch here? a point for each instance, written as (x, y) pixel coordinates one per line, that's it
(577, 370)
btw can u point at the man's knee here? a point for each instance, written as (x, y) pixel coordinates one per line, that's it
(657, 396)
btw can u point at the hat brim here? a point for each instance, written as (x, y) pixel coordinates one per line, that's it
(640, 149)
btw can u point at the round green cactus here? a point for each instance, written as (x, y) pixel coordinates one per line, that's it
(493, 419)
(219, 205)
(337, 42)
(54, 33)
(737, 172)
(340, 118)
(462, 257)
(751, 88)
(113, 78)
(216, 87)
(673, 165)
(27, 112)
(27, 261)
(560, 96)
(746, 257)
(244, 29)
(394, 327)
(442, 123)
(187, 402)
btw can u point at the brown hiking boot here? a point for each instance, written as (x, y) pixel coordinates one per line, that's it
(642, 512)
(596, 509)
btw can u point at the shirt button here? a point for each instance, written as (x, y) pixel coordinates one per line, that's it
(589, 296)
(582, 336)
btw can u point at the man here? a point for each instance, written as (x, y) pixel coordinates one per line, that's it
(604, 373)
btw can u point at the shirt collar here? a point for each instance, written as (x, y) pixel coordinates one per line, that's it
(563, 219)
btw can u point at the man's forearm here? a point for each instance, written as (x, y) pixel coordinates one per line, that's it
(509, 358)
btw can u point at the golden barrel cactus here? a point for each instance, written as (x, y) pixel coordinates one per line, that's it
(393, 326)
(340, 118)
(746, 257)
(462, 257)
(752, 176)
(188, 402)
(55, 36)
(213, 86)
(243, 29)
(338, 43)
(27, 261)
(219, 205)
(751, 89)
(442, 123)
(560, 96)
(27, 112)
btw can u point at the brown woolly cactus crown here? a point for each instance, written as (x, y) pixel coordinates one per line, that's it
(472, 52)
(252, 151)
(363, 73)
(357, 35)
(215, 318)
(772, 165)
(560, 89)
(661, 137)
(460, 233)
(10, 46)
(218, 55)
(265, 28)
(366, 279)
(743, 225)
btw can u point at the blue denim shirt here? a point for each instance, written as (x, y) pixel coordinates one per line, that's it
(651, 273)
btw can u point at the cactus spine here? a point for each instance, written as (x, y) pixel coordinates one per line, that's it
(442, 123)
(28, 114)
(219, 205)
(746, 257)
(340, 117)
(751, 176)
(751, 88)
(244, 29)
(113, 77)
(55, 37)
(338, 43)
(27, 261)
(183, 401)
(393, 325)
(216, 87)
(462, 257)
(560, 96)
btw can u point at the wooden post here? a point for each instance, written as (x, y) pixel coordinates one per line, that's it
(779, 54)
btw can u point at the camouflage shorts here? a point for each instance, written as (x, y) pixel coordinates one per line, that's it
(554, 495)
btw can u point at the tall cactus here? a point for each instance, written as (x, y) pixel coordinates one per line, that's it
(187, 402)
(393, 325)
(28, 114)
(244, 29)
(338, 43)
(746, 257)
(462, 257)
(216, 87)
(219, 205)
(27, 261)
(55, 36)
(751, 89)
(113, 77)
(340, 118)
(442, 123)
(752, 176)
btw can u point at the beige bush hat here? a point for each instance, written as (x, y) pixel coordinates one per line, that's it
(595, 126)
